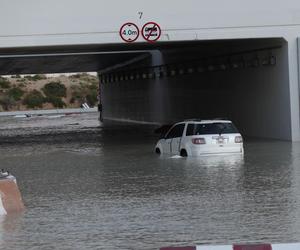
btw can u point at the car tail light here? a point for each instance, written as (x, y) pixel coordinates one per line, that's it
(198, 141)
(238, 139)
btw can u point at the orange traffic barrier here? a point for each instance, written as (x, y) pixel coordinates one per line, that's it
(10, 196)
(292, 246)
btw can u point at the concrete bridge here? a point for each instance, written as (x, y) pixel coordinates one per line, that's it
(214, 58)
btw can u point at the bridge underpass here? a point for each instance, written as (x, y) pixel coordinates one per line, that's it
(244, 80)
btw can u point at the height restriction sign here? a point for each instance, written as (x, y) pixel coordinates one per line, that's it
(151, 32)
(129, 32)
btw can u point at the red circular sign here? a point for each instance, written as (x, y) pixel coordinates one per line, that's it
(129, 32)
(151, 32)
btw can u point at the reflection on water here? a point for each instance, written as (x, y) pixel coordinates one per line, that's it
(228, 161)
(10, 224)
(95, 186)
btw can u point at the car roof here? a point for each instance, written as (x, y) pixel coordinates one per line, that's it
(205, 121)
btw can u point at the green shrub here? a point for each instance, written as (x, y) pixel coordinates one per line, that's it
(75, 76)
(80, 75)
(92, 97)
(57, 102)
(39, 77)
(94, 81)
(34, 99)
(82, 84)
(78, 93)
(16, 76)
(84, 92)
(94, 86)
(35, 77)
(72, 100)
(6, 102)
(4, 83)
(29, 77)
(21, 85)
(23, 80)
(16, 93)
(55, 89)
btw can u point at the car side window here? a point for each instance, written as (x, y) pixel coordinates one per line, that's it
(190, 129)
(176, 131)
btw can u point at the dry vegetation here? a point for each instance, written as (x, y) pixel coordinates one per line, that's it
(41, 92)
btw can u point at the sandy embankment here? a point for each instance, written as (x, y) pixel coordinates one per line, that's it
(28, 85)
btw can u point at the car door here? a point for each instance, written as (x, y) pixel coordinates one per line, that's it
(176, 138)
(173, 139)
(166, 144)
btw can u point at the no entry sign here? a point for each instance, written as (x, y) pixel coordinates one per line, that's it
(151, 32)
(129, 32)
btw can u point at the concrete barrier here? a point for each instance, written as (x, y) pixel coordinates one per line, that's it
(48, 112)
(293, 246)
(10, 196)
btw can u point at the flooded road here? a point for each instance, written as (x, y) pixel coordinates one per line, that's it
(92, 186)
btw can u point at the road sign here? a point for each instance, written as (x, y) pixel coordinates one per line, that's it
(129, 32)
(151, 32)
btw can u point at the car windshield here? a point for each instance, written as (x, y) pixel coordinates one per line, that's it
(211, 128)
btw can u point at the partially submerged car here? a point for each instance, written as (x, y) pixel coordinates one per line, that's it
(201, 137)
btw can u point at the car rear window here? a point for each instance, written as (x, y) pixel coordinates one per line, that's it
(211, 128)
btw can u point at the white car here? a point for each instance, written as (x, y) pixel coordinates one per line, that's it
(201, 137)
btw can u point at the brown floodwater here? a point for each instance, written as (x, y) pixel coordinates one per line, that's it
(88, 185)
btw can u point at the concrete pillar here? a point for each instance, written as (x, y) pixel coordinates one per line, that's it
(293, 61)
(158, 95)
(100, 105)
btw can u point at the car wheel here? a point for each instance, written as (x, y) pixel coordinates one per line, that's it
(183, 153)
(157, 150)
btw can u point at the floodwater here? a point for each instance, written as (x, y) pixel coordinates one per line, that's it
(100, 186)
